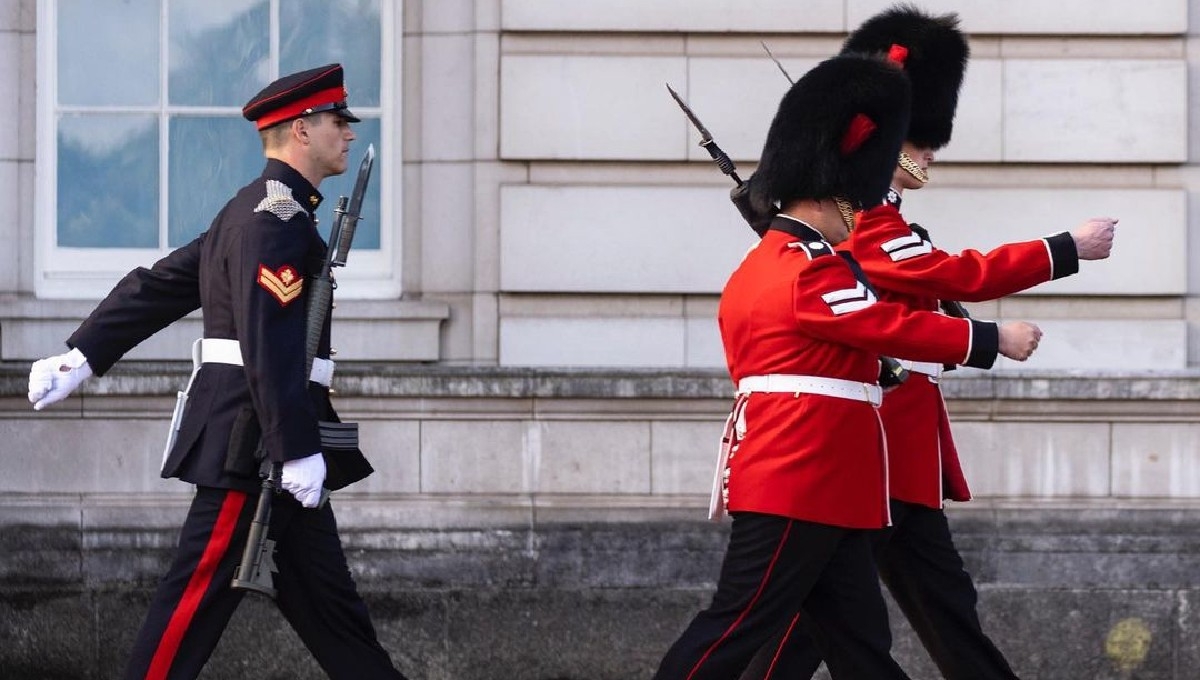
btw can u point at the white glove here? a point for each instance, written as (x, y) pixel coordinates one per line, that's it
(52, 379)
(303, 478)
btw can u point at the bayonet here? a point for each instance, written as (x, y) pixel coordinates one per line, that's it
(722, 159)
(781, 68)
(346, 218)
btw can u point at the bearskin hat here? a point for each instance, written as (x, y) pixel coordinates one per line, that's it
(837, 133)
(936, 59)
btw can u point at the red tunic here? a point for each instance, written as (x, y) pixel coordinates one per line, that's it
(789, 310)
(905, 268)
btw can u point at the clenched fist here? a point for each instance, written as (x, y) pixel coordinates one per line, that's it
(52, 379)
(1094, 238)
(1018, 339)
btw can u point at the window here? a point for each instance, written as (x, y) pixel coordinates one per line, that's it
(143, 139)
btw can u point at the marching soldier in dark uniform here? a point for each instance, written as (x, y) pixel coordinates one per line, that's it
(248, 398)
(916, 556)
(803, 470)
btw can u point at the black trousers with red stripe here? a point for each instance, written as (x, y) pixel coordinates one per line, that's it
(925, 575)
(316, 593)
(773, 567)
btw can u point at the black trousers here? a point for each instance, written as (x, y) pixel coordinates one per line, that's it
(925, 575)
(316, 594)
(772, 567)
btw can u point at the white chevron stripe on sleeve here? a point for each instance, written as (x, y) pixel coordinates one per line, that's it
(912, 251)
(859, 291)
(849, 299)
(901, 242)
(852, 306)
(905, 247)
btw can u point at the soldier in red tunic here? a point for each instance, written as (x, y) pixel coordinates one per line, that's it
(804, 472)
(916, 555)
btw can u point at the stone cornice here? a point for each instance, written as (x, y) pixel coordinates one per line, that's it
(408, 380)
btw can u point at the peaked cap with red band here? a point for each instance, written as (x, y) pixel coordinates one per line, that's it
(935, 55)
(299, 94)
(837, 134)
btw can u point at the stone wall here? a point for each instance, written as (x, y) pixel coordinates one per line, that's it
(536, 523)
(1066, 590)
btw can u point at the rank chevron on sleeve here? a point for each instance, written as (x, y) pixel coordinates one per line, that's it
(283, 284)
(847, 300)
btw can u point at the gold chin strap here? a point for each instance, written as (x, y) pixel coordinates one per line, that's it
(910, 166)
(846, 210)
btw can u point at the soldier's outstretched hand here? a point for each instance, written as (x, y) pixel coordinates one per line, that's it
(52, 379)
(1018, 339)
(1094, 238)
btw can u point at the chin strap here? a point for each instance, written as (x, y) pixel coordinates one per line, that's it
(846, 210)
(910, 166)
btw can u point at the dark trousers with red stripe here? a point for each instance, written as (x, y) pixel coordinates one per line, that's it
(773, 567)
(316, 593)
(925, 575)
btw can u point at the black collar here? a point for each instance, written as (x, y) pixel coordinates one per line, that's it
(795, 227)
(892, 198)
(304, 192)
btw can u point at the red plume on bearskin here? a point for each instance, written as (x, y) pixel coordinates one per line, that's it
(837, 132)
(935, 63)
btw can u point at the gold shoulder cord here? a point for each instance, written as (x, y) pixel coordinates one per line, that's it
(910, 166)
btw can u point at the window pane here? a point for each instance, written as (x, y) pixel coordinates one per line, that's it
(366, 235)
(108, 181)
(108, 52)
(317, 32)
(218, 51)
(210, 159)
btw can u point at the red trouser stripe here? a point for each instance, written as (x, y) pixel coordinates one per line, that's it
(218, 543)
(745, 612)
(782, 643)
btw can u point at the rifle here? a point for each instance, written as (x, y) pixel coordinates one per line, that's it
(258, 561)
(345, 221)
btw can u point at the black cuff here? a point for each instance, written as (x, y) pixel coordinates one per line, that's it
(97, 360)
(1064, 258)
(985, 344)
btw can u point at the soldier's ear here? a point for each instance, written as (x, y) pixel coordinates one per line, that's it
(300, 129)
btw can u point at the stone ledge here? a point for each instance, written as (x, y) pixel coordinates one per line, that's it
(408, 380)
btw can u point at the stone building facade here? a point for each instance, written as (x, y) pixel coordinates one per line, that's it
(532, 349)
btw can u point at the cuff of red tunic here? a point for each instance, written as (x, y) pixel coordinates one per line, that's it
(1064, 258)
(984, 345)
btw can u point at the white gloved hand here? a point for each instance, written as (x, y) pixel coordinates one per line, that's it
(52, 379)
(303, 478)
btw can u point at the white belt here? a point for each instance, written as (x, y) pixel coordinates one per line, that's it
(934, 371)
(225, 351)
(809, 384)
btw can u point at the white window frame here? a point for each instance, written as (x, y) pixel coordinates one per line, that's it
(89, 273)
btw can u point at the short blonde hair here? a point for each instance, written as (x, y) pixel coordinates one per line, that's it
(276, 135)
